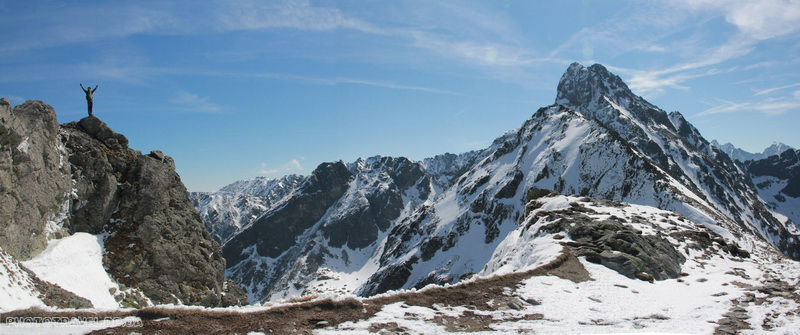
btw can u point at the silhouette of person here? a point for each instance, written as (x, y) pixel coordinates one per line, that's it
(89, 92)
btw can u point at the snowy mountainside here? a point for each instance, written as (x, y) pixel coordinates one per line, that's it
(557, 149)
(776, 148)
(707, 285)
(676, 147)
(364, 228)
(238, 204)
(778, 182)
(332, 222)
(445, 168)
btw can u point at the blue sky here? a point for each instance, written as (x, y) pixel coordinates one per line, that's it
(238, 89)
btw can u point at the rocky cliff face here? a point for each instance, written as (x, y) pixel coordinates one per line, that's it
(34, 178)
(82, 177)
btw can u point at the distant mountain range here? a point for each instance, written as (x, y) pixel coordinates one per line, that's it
(386, 223)
(776, 148)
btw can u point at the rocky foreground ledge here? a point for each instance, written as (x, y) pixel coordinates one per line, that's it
(57, 180)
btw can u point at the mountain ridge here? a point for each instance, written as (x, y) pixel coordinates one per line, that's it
(598, 140)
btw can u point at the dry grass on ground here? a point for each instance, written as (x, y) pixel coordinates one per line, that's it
(304, 316)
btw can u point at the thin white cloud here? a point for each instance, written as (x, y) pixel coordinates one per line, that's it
(44, 27)
(311, 80)
(770, 90)
(769, 107)
(644, 29)
(289, 167)
(194, 103)
(475, 52)
(386, 84)
(246, 14)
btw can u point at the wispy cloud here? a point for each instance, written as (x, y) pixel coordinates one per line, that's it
(310, 79)
(647, 28)
(246, 14)
(289, 167)
(757, 19)
(656, 81)
(770, 90)
(191, 102)
(386, 84)
(769, 107)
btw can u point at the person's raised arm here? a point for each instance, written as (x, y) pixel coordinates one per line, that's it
(83, 88)
(95, 88)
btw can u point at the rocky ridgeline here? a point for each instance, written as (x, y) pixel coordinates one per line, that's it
(82, 177)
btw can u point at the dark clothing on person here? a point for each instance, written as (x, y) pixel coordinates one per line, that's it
(89, 92)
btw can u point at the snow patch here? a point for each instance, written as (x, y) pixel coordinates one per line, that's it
(76, 264)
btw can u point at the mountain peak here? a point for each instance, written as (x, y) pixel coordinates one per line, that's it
(776, 148)
(581, 85)
(601, 95)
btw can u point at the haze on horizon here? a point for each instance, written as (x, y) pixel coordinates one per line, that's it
(237, 89)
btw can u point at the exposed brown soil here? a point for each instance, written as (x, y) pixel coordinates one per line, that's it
(303, 317)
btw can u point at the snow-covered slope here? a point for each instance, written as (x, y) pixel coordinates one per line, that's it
(676, 147)
(363, 227)
(19, 290)
(530, 286)
(556, 149)
(76, 264)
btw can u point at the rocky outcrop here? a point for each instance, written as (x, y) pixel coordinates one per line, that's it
(157, 240)
(34, 178)
(82, 177)
(615, 244)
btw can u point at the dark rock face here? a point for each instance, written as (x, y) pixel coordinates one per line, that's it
(34, 178)
(98, 160)
(785, 166)
(276, 231)
(82, 177)
(384, 205)
(340, 209)
(778, 181)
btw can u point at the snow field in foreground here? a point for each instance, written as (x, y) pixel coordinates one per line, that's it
(76, 264)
